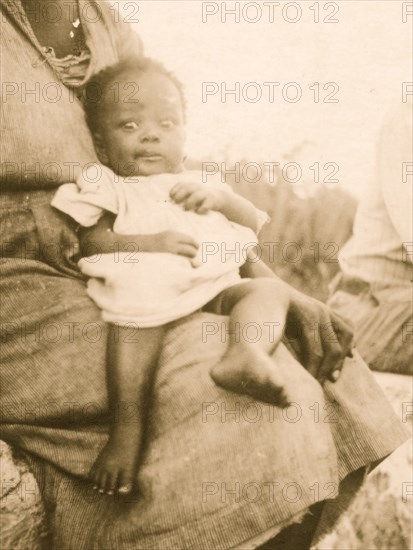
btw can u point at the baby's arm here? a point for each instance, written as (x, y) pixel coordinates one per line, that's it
(102, 239)
(201, 198)
(239, 210)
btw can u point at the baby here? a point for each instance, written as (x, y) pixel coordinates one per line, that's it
(164, 218)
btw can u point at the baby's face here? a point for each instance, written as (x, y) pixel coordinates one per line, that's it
(142, 131)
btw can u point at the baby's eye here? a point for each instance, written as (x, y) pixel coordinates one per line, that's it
(167, 123)
(130, 126)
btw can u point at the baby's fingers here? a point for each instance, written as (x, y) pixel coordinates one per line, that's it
(205, 206)
(182, 238)
(187, 250)
(185, 245)
(195, 200)
(180, 191)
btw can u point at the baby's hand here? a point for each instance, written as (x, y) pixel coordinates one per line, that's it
(198, 197)
(174, 243)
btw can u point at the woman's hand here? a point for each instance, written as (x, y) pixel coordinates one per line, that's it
(172, 242)
(319, 338)
(200, 198)
(102, 239)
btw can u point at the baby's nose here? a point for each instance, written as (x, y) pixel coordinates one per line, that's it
(150, 134)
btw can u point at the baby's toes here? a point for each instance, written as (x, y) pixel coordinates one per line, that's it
(101, 478)
(125, 482)
(98, 478)
(94, 476)
(111, 482)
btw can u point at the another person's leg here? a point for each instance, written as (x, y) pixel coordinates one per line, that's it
(383, 326)
(257, 317)
(132, 356)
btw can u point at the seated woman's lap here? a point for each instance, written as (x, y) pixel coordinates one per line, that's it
(219, 467)
(53, 342)
(200, 437)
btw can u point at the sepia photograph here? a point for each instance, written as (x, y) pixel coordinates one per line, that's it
(206, 236)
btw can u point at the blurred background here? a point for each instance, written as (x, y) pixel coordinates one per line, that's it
(366, 53)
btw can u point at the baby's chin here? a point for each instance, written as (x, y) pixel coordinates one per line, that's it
(148, 168)
(144, 168)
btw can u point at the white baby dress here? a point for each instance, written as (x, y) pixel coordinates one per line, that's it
(151, 288)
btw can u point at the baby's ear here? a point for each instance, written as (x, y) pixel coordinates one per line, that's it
(100, 148)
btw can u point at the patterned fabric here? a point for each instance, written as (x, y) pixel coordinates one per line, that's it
(219, 469)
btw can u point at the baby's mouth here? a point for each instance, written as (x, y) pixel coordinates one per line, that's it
(149, 156)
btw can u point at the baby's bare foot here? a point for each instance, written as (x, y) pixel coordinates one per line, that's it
(115, 468)
(251, 371)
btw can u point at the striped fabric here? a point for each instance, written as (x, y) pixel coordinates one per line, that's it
(219, 470)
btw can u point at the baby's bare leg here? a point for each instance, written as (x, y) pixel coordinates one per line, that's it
(132, 356)
(257, 317)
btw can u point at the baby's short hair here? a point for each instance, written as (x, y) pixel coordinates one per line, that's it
(94, 89)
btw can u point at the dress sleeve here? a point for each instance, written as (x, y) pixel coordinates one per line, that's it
(93, 194)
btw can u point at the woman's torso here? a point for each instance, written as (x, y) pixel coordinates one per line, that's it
(45, 139)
